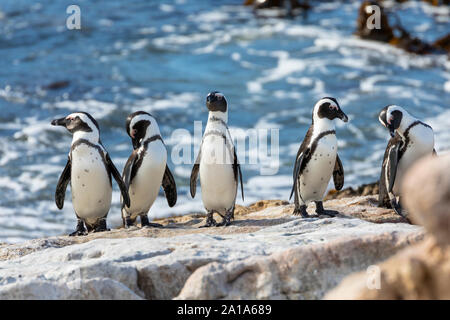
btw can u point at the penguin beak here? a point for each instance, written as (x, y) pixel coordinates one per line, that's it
(60, 122)
(342, 116)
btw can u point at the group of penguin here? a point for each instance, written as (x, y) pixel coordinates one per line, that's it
(89, 167)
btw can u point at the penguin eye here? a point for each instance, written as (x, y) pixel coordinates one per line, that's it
(333, 107)
(389, 120)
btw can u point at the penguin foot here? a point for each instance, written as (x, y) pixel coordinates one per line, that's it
(209, 223)
(398, 209)
(128, 222)
(225, 222)
(101, 226)
(147, 224)
(321, 211)
(300, 211)
(80, 231)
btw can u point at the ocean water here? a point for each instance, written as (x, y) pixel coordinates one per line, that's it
(164, 57)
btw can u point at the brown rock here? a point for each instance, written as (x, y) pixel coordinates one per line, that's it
(384, 34)
(443, 43)
(426, 187)
(422, 271)
(363, 190)
(387, 32)
(267, 4)
(418, 272)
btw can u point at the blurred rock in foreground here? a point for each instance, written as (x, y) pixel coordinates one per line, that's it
(421, 271)
(266, 253)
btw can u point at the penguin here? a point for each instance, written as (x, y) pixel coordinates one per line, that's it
(88, 169)
(146, 169)
(410, 140)
(317, 159)
(217, 164)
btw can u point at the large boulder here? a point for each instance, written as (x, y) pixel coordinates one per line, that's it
(421, 271)
(265, 254)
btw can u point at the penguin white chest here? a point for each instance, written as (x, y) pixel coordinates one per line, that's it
(90, 183)
(146, 184)
(420, 144)
(315, 177)
(216, 174)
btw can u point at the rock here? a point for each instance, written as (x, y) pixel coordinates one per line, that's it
(421, 271)
(393, 34)
(362, 190)
(266, 4)
(427, 196)
(290, 257)
(57, 85)
(443, 43)
(299, 273)
(383, 34)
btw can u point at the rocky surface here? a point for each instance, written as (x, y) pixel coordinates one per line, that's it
(266, 253)
(423, 270)
(362, 190)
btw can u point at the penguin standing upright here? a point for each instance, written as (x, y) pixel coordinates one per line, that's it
(89, 169)
(317, 159)
(217, 164)
(146, 169)
(410, 140)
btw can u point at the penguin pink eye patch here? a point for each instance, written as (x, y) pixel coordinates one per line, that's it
(389, 120)
(332, 106)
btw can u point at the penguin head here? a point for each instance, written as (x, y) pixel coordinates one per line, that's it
(139, 125)
(215, 101)
(328, 108)
(79, 123)
(393, 117)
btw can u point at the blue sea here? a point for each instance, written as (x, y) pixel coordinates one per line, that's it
(164, 58)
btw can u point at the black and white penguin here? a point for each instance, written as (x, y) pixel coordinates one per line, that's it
(217, 164)
(410, 140)
(89, 169)
(317, 159)
(146, 169)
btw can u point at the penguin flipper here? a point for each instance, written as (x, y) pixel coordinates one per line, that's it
(194, 173)
(391, 167)
(383, 197)
(296, 172)
(129, 171)
(338, 174)
(116, 175)
(62, 185)
(237, 171)
(434, 152)
(170, 187)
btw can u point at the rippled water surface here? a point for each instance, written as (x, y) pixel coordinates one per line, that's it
(165, 57)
